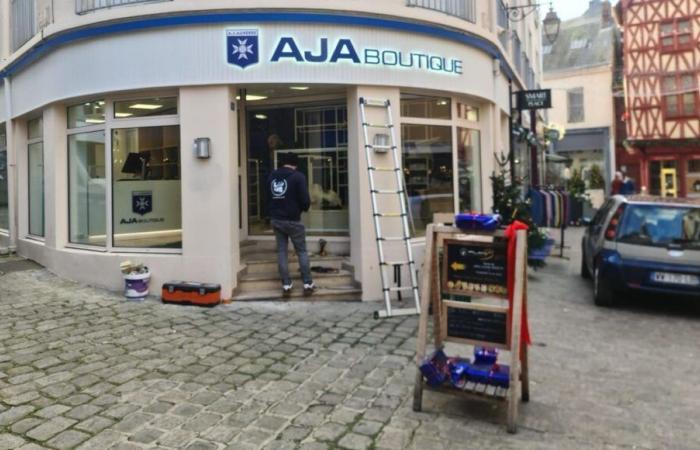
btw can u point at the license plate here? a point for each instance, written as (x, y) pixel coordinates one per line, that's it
(675, 278)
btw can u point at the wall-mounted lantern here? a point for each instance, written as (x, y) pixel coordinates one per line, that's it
(202, 148)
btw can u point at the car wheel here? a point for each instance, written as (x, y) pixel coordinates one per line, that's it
(585, 273)
(602, 294)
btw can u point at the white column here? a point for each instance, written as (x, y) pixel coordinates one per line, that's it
(363, 245)
(55, 177)
(210, 241)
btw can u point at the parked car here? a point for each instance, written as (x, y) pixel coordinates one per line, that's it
(643, 243)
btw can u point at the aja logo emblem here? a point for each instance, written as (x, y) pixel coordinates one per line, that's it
(279, 188)
(142, 202)
(242, 47)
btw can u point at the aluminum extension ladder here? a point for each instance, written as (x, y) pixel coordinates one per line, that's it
(400, 191)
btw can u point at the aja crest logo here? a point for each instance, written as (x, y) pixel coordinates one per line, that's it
(242, 47)
(142, 202)
(279, 188)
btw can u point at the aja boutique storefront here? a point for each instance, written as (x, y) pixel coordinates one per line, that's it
(153, 143)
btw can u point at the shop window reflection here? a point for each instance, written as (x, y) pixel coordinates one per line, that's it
(318, 134)
(87, 189)
(428, 169)
(146, 188)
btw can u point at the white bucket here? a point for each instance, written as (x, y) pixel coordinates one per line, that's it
(136, 285)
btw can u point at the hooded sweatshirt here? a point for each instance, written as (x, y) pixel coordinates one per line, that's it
(288, 194)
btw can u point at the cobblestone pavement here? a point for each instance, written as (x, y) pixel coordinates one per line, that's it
(80, 367)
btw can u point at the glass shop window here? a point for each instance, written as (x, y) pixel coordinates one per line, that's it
(146, 195)
(428, 169)
(145, 107)
(87, 186)
(469, 175)
(35, 157)
(4, 197)
(86, 114)
(426, 107)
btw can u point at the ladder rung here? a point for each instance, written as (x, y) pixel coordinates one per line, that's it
(400, 288)
(390, 215)
(375, 102)
(385, 169)
(387, 191)
(382, 147)
(396, 313)
(396, 263)
(377, 125)
(394, 239)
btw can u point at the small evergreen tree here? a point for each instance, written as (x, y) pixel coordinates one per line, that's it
(509, 203)
(597, 181)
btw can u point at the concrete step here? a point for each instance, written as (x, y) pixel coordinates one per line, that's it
(340, 293)
(269, 281)
(267, 262)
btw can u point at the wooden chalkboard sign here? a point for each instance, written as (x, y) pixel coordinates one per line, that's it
(483, 326)
(475, 268)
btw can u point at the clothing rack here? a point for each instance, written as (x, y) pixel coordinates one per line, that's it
(559, 217)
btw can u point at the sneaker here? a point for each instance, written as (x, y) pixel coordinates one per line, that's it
(309, 288)
(287, 289)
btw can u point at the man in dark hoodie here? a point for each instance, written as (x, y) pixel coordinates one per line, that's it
(288, 197)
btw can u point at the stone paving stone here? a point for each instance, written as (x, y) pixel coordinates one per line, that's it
(25, 425)
(13, 414)
(101, 441)
(368, 427)
(10, 441)
(50, 428)
(329, 431)
(94, 424)
(354, 441)
(146, 435)
(68, 439)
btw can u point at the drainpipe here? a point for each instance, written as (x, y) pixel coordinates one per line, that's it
(12, 197)
(511, 142)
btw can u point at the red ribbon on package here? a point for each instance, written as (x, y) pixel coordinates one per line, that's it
(511, 233)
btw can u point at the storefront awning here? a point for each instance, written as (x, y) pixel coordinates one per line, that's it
(583, 140)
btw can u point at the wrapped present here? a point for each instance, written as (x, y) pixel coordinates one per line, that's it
(435, 368)
(490, 374)
(458, 371)
(485, 355)
(478, 222)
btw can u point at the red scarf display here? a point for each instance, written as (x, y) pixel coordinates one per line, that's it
(511, 232)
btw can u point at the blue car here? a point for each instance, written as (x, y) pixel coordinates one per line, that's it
(643, 244)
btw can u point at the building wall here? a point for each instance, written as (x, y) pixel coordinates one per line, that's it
(190, 59)
(646, 63)
(597, 96)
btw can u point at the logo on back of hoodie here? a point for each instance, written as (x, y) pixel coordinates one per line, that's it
(279, 188)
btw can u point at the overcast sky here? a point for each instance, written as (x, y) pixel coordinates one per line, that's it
(568, 9)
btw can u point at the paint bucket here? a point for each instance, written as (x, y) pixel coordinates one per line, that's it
(136, 285)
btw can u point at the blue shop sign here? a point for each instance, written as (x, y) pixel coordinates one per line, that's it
(243, 51)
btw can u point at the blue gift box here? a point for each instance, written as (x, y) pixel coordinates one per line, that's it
(435, 368)
(490, 374)
(485, 355)
(481, 222)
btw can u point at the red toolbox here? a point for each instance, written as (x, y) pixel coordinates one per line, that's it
(183, 292)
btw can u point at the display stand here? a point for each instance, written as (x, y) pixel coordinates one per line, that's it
(487, 320)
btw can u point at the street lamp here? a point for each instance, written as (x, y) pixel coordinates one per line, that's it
(551, 21)
(551, 25)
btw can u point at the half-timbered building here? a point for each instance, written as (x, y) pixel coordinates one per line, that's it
(662, 105)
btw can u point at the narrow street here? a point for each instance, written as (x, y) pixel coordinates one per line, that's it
(82, 368)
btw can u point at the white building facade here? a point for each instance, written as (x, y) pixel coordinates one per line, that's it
(102, 103)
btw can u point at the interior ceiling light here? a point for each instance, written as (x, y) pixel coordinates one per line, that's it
(299, 88)
(94, 121)
(122, 114)
(148, 106)
(254, 98)
(261, 116)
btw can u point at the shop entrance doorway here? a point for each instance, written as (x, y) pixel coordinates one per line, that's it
(310, 122)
